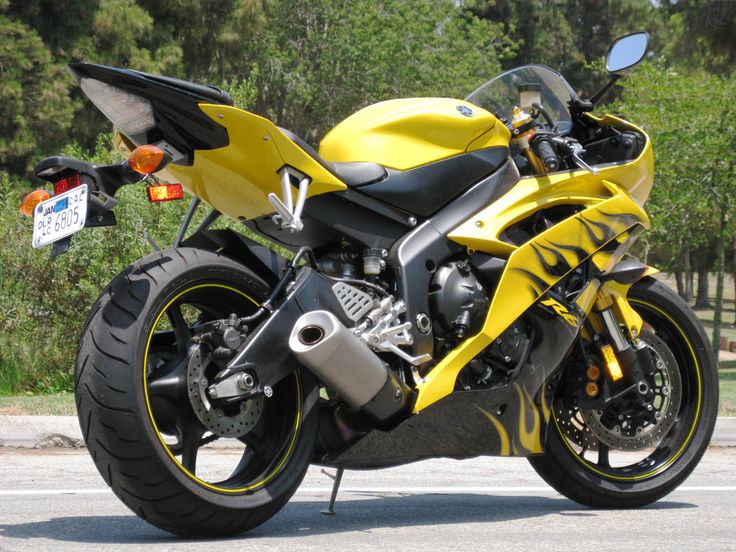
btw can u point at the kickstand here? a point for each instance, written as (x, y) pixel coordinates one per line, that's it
(330, 510)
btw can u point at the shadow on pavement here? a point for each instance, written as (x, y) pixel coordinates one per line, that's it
(302, 518)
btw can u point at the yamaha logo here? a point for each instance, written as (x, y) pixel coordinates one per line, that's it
(464, 110)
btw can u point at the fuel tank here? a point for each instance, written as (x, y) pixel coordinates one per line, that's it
(407, 133)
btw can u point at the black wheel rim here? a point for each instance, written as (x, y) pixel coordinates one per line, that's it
(674, 443)
(254, 458)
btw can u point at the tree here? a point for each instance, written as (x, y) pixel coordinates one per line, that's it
(571, 36)
(35, 108)
(701, 34)
(316, 62)
(691, 119)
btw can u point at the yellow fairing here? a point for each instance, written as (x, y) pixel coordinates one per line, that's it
(609, 217)
(406, 133)
(237, 179)
(635, 176)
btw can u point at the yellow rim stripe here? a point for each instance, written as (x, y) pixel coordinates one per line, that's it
(158, 433)
(591, 467)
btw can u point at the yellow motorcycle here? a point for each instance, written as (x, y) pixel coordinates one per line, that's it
(455, 286)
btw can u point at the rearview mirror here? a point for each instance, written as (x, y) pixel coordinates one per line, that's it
(626, 52)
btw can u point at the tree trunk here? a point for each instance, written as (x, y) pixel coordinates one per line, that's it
(679, 284)
(688, 268)
(733, 272)
(703, 261)
(720, 270)
(702, 301)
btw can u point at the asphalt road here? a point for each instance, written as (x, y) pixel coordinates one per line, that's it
(54, 500)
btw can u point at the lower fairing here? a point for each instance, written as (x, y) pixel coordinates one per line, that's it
(510, 420)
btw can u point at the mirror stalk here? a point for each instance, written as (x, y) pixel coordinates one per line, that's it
(602, 92)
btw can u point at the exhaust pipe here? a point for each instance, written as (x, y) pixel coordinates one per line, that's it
(343, 362)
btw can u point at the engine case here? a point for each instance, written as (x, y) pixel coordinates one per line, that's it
(457, 299)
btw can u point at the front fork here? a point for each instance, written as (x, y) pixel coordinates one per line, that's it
(616, 329)
(626, 356)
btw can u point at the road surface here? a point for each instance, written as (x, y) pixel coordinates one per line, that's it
(55, 500)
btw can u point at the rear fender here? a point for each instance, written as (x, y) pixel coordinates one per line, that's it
(266, 263)
(107, 178)
(103, 180)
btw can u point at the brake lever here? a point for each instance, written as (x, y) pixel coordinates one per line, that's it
(575, 150)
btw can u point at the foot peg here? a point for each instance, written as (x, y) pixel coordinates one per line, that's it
(288, 214)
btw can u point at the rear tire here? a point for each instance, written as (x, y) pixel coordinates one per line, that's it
(120, 424)
(680, 450)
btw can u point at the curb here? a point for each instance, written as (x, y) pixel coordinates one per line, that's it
(39, 432)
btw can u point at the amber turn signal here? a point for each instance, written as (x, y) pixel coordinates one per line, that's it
(28, 205)
(147, 159)
(593, 372)
(591, 389)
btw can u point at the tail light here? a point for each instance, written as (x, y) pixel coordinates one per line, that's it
(164, 192)
(130, 113)
(66, 184)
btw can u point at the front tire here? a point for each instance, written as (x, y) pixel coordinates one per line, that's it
(142, 432)
(595, 480)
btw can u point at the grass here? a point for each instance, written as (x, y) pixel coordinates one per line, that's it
(63, 404)
(38, 405)
(727, 387)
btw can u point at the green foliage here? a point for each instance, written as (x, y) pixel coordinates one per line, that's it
(307, 65)
(689, 115)
(702, 34)
(35, 109)
(43, 302)
(319, 61)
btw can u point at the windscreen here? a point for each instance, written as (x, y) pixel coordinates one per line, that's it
(500, 94)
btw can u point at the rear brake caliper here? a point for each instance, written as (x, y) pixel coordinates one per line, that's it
(226, 416)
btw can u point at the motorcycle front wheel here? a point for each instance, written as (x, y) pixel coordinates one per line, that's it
(621, 458)
(148, 423)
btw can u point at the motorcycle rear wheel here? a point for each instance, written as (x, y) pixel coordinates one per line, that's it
(140, 426)
(597, 481)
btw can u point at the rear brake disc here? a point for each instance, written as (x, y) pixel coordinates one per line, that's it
(231, 421)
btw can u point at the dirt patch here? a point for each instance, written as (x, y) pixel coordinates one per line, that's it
(56, 440)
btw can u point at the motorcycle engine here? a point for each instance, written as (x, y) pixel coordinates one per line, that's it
(458, 301)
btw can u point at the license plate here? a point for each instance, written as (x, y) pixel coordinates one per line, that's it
(60, 216)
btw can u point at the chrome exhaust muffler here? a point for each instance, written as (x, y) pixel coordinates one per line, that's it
(343, 362)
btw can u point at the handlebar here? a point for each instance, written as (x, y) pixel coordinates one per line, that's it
(543, 147)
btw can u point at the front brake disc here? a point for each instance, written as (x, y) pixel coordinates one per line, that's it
(646, 430)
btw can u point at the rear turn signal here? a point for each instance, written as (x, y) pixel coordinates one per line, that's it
(147, 159)
(29, 202)
(164, 192)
